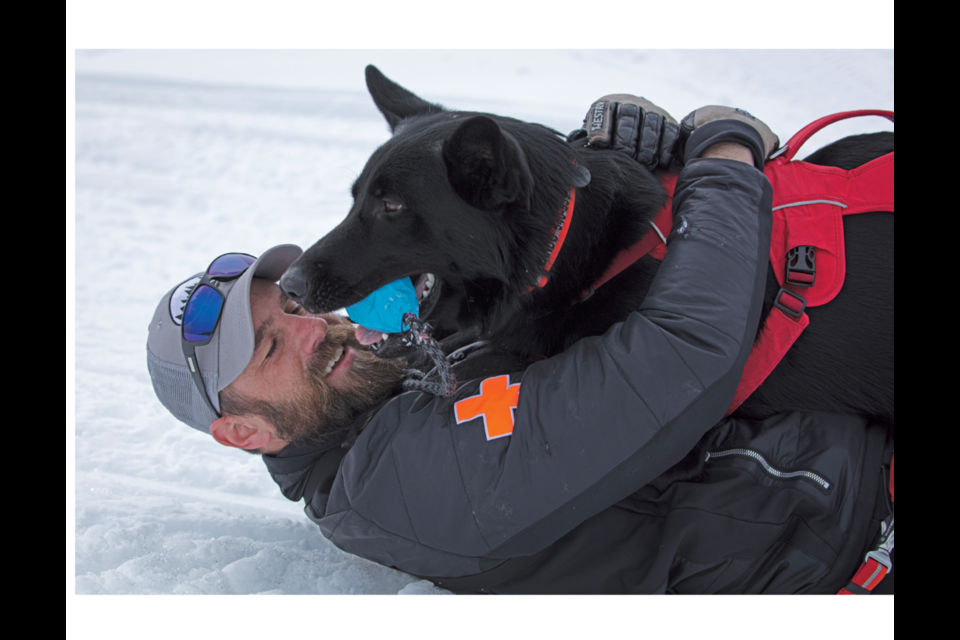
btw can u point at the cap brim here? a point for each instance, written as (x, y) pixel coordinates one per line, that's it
(236, 324)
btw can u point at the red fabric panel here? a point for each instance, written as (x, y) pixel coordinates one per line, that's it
(869, 187)
(891, 479)
(777, 335)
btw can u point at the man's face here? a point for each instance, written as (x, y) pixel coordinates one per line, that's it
(308, 376)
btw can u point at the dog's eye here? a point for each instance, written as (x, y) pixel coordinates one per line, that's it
(392, 207)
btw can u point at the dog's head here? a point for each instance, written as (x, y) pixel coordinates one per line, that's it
(450, 201)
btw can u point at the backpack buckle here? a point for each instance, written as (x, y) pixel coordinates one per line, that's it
(792, 304)
(869, 575)
(885, 546)
(881, 554)
(802, 266)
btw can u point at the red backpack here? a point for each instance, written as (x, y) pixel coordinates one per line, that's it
(806, 243)
(807, 255)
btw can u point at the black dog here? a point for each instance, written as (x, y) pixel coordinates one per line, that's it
(469, 205)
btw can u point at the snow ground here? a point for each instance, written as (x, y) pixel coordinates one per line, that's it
(183, 155)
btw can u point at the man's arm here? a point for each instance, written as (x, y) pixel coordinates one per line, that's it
(730, 151)
(433, 497)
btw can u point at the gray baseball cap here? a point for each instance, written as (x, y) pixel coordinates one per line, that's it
(227, 354)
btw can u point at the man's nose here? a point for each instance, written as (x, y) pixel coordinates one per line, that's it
(312, 331)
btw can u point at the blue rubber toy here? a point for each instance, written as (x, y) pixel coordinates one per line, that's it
(383, 309)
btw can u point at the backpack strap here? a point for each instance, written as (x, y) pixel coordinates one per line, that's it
(877, 563)
(789, 150)
(653, 242)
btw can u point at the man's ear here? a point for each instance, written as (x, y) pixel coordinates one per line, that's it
(241, 433)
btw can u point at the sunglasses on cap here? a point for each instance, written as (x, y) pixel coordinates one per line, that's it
(203, 309)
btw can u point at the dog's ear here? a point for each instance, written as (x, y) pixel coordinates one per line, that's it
(395, 102)
(486, 166)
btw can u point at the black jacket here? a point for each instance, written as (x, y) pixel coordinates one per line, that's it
(592, 427)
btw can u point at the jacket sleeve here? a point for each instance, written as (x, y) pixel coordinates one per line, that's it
(429, 496)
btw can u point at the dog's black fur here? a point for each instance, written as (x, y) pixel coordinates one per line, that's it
(479, 196)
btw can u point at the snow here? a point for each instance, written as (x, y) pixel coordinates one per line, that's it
(183, 155)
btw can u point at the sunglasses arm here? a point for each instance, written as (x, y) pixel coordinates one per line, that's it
(190, 353)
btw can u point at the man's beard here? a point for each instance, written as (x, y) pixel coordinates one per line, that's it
(316, 410)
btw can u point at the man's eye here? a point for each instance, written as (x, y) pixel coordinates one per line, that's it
(294, 309)
(392, 207)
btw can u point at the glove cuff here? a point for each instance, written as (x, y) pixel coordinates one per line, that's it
(717, 131)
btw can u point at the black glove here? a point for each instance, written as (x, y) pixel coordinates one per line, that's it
(707, 126)
(624, 122)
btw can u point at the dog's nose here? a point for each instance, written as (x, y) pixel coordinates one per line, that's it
(295, 285)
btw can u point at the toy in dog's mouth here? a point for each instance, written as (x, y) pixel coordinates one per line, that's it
(397, 306)
(386, 344)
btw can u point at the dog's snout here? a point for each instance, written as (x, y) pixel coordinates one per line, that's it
(295, 285)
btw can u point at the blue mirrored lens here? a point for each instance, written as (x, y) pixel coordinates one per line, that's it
(230, 264)
(201, 314)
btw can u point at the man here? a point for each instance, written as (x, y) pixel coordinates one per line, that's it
(546, 481)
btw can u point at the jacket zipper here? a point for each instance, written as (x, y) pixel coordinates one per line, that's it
(773, 471)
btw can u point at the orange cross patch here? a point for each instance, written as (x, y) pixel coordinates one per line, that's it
(495, 402)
